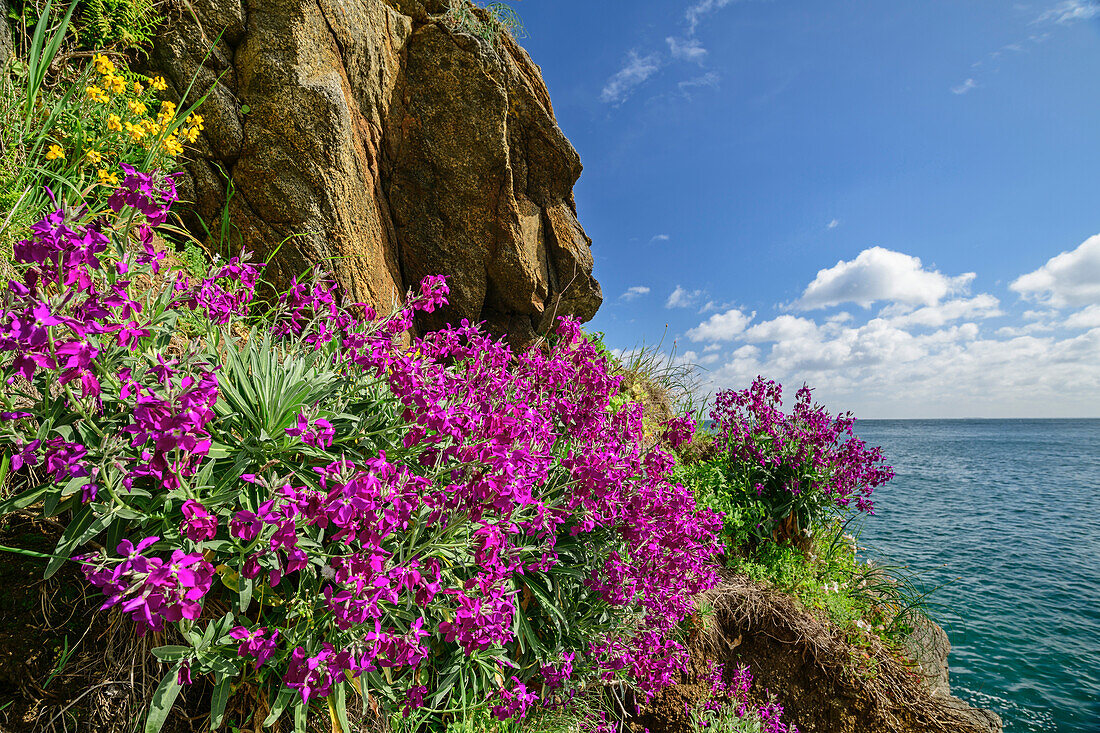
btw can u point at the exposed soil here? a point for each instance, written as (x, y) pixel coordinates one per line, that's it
(824, 683)
(64, 665)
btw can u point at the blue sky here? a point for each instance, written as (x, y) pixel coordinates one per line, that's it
(894, 202)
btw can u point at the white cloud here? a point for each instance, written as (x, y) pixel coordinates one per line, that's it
(1086, 318)
(709, 79)
(634, 293)
(659, 238)
(696, 12)
(721, 326)
(879, 274)
(833, 224)
(636, 69)
(1071, 11)
(880, 370)
(980, 306)
(682, 298)
(782, 328)
(1068, 280)
(965, 87)
(686, 49)
(695, 358)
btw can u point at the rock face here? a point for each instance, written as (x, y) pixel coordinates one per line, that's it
(375, 137)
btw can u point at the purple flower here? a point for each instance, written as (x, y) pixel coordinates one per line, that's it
(198, 524)
(260, 644)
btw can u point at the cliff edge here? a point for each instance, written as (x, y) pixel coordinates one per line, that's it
(388, 140)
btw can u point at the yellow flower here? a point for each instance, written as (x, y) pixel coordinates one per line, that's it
(190, 134)
(114, 122)
(195, 121)
(107, 178)
(159, 84)
(114, 84)
(55, 153)
(136, 132)
(138, 108)
(96, 94)
(138, 88)
(94, 157)
(171, 145)
(168, 108)
(103, 64)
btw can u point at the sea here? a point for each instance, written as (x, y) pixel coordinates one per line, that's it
(1000, 521)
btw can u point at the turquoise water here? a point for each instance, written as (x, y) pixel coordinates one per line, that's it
(1006, 513)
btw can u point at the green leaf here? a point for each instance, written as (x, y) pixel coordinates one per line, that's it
(49, 506)
(285, 696)
(245, 597)
(171, 652)
(24, 500)
(163, 700)
(341, 705)
(301, 718)
(218, 701)
(69, 540)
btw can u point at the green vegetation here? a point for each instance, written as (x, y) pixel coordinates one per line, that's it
(67, 135)
(124, 25)
(486, 22)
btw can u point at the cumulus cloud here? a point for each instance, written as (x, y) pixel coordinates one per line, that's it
(634, 293)
(658, 238)
(686, 49)
(879, 274)
(783, 328)
(636, 69)
(683, 298)
(721, 326)
(881, 370)
(931, 350)
(980, 306)
(1085, 318)
(833, 224)
(1068, 280)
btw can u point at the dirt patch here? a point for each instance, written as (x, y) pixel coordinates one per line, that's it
(64, 665)
(824, 683)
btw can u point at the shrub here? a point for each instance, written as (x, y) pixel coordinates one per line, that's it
(780, 474)
(305, 510)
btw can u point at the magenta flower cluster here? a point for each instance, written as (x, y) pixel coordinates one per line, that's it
(806, 458)
(454, 501)
(152, 590)
(729, 695)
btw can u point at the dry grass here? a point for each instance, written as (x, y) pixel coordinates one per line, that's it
(891, 694)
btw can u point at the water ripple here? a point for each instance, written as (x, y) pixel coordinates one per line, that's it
(1005, 515)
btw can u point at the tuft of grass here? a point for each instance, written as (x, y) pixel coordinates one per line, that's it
(485, 22)
(678, 379)
(860, 597)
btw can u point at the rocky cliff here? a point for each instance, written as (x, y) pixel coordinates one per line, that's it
(378, 137)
